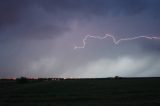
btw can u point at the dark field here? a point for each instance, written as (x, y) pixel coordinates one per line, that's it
(82, 92)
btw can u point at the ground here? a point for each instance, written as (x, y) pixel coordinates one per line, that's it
(82, 92)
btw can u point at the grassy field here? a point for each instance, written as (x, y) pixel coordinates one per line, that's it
(82, 92)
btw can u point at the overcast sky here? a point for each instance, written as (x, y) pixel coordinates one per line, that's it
(37, 38)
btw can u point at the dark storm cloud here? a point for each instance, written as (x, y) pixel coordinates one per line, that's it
(10, 11)
(49, 18)
(37, 36)
(101, 7)
(151, 47)
(28, 19)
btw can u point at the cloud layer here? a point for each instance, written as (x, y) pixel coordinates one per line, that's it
(37, 38)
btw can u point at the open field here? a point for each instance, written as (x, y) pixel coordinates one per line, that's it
(82, 92)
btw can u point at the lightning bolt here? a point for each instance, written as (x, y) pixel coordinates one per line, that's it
(115, 41)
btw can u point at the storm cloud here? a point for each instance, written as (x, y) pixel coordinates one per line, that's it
(37, 38)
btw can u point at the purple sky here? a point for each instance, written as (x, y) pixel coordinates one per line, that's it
(37, 38)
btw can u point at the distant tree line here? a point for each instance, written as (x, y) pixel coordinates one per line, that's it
(23, 80)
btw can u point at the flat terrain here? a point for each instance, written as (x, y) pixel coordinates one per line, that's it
(82, 92)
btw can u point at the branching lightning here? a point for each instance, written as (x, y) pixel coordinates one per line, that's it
(115, 41)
